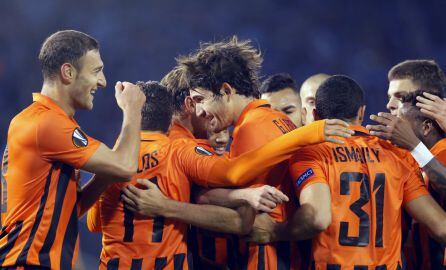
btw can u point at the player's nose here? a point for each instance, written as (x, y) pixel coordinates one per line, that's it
(102, 82)
(392, 105)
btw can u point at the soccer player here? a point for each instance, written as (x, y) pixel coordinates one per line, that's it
(281, 92)
(219, 141)
(352, 195)
(187, 125)
(307, 95)
(412, 75)
(170, 165)
(41, 200)
(224, 85)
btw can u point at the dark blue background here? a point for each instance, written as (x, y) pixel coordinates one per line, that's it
(139, 40)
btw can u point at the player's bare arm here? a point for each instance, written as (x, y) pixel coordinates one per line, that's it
(123, 159)
(313, 217)
(399, 132)
(120, 163)
(434, 107)
(152, 202)
(426, 211)
(264, 198)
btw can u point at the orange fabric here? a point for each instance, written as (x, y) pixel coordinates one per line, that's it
(94, 218)
(173, 163)
(368, 179)
(257, 125)
(39, 201)
(428, 253)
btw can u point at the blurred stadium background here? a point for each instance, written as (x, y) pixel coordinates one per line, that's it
(139, 40)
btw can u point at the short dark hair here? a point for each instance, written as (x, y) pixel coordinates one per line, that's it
(157, 111)
(339, 97)
(411, 98)
(234, 62)
(177, 85)
(278, 82)
(66, 46)
(426, 73)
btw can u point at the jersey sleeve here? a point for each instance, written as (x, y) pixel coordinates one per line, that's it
(59, 139)
(215, 171)
(195, 161)
(307, 167)
(414, 186)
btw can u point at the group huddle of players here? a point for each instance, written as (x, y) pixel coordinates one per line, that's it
(303, 186)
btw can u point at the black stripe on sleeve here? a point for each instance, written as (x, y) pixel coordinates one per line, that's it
(261, 258)
(283, 253)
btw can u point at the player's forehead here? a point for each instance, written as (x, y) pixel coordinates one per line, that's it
(200, 92)
(91, 60)
(282, 98)
(401, 87)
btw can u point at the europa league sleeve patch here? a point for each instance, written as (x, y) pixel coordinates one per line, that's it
(201, 151)
(304, 177)
(79, 138)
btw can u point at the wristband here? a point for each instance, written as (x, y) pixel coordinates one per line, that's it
(422, 155)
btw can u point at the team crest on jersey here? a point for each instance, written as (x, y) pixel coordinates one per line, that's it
(303, 177)
(79, 138)
(200, 150)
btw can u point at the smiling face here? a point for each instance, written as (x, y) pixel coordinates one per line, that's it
(288, 102)
(89, 78)
(219, 141)
(216, 109)
(398, 88)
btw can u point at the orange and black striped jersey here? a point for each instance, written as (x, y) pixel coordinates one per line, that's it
(370, 181)
(39, 187)
(428, 253)
(257, 125)
(150, 243)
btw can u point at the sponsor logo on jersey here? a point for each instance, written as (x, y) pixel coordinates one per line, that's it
(79, 138)
(201, 151)
(303, 177)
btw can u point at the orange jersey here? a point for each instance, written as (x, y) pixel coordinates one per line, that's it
(370, 181)
(257, 125)
(130, 239)
(39, 187)
(428, 253)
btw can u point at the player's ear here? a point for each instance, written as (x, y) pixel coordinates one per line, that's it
(427, 127)
(226, 89)
(189, 105)
(361, 113)
(67, 73)
(304, 115)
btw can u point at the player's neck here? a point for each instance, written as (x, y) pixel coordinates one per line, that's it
(239, 103)
(59, 95)
(430, 141)
(185, 121)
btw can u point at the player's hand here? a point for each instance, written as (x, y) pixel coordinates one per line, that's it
(129, 96)
(264, 198)
(395, 129)
(434, 107)
(263, 230)
(147, 202)
(336, 128)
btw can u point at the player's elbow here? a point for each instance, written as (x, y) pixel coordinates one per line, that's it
(126, 171)
(321, 222)
(439, 232)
